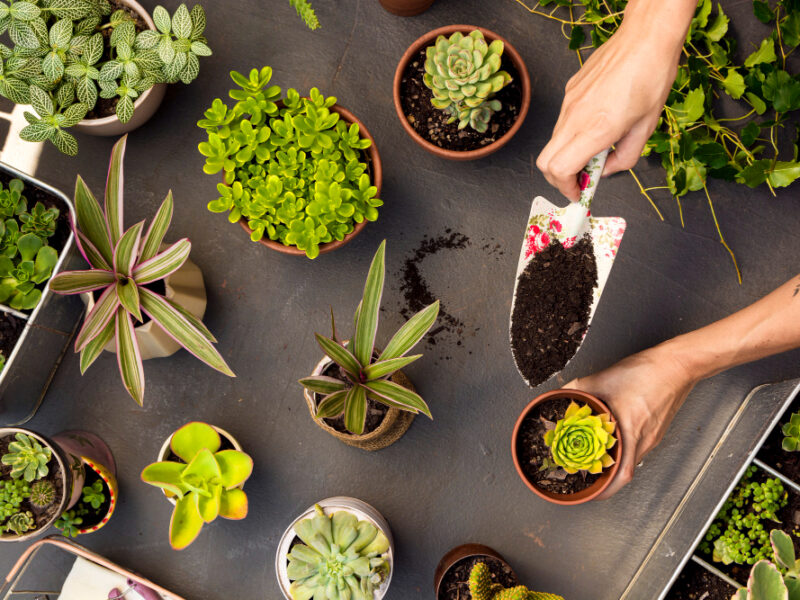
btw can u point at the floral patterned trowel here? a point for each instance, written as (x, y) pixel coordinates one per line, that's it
(548, 223)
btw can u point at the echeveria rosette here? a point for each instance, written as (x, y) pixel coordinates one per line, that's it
(27, 458)
(207, 483)
(341, 558)
(122, 263)
(581, 441)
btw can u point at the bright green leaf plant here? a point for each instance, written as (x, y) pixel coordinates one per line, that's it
(207, 483)
(368, 372)
(293, 170)
(791, 434)
(482, 587)
(87, 511)
(581, 440)
(306, 12)
(340, 558)
(122, 264)
(65, 54)
(771, 581)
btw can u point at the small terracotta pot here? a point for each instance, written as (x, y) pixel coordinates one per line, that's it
(145, 105)
(376, 169)
(591, 492)
(429, 39)
(459, 553)
(406, 8)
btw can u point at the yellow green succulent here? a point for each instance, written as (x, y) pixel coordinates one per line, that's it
(581, 440)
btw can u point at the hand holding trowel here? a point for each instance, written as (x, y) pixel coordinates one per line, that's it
(564, 264)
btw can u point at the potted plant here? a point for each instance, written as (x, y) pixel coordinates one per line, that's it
(128, 274)
(97, 503)
(406, 8)
(339, 548)
(100, 67)
(357, 393)
(301, 175)
(566, 447)
(204, 480)
(461, 92)
(774, 581)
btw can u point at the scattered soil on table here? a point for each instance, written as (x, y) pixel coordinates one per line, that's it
(455, 582)
(10, 330)
(376, 411)
(41, 515)
(551, 310)
(532, 451)
(788, 463)
(96, 515)
(431, 123)
(695, 583)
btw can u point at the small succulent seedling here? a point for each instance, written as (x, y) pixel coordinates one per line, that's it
(207, 483)
(791, 433)
(580, 441)
(21, 522)
(368, 376)
(93, 495)
(2, 362)
(340, 558)
(40, 220)
(770, 582)
(463, 74)
(69, 523)
(12, 202)
(121, 265)
(306, 12)
(42, 493)
(12, 493)
(481, 587)
(19, 278)
(27, 458)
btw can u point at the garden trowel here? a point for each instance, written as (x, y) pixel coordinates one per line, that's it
(548, 223)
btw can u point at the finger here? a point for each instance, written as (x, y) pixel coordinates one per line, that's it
(561, 167)
(628, 150)
(627, 466)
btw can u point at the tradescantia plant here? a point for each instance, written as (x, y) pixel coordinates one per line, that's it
(207, 483)
(122, 264)
(770, 582)
(580, 441)
(60, 61)
(341, 558)
(296, 173)
(463, 73)
(481, 587)
(368, 377)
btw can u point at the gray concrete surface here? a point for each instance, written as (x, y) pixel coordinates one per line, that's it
(451, 480)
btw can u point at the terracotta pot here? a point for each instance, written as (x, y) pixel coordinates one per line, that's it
(376, 169)
(406, 8)
(394, 425)
(459, 553)
(362, 511)
(429, 39)
(590, 493)
(145, 105)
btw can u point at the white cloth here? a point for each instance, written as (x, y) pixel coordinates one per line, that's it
(90, 581)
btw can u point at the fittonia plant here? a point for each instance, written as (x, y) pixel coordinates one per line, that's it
(341, 558)
(481, 587)
(580, 441)
(122, 265)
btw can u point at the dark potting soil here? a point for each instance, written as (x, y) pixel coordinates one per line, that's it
(551, 310)
(10, 330)
(695, 583)
(41, 515)
(455, 582)
(95, 515)
(532, 451)
(431, 123)
(376, 412)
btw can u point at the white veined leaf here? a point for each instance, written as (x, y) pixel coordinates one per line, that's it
(201, 49)
(124, 33)
(147, 39)
(182, 22)
(61, 33)
(52, 67)
(125, 109)
(73, 10)
(22, 34)
(65, 95)
(198, 21)
(162, 20)
(41, 101)
(192, 69)
(24, 11)
(16, 91)
(88, 25)
(87, 92)
(94, 48)
(132, 71)
(110, 71)
(77, 44)
(74, 114)
(65, 142)
(37, 132)
(166, 52)
(173, 70)
(75, 70)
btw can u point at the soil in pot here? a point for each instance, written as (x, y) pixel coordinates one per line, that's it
(10, 330)
(455, 582)
(551, 310)
(376, 411)
(93, 516)
(532, 451)
(695, 583)
(788, 463)
(431, 123)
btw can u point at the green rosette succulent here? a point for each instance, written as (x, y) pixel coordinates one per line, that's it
(580, 441)
(791, 433)
(463, 73)
(481, 587)
(341, 558)
(21, 522)
(27, 458)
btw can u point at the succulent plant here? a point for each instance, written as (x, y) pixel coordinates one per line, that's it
(40, 220)
(12, 493)
(581, 440)
(93, 495)
(770, 582)
(368, 376)
(481, 587)
(20, 522)
(341, 558)
(12, 202)
(791, 433)
(69, 523)
(27, 458)
(306, 12)
(42, 493)
(207, 483)
(2, 362)
(296, 174)
(122, 264)
(463, 73)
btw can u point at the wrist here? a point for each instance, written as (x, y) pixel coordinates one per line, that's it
(661, 23)
(688, 359)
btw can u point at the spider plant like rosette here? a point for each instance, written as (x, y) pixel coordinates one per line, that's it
(122, 264)
(580, 441)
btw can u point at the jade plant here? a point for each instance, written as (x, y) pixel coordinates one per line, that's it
(770, 581)
(64, 54)
(206, 484)
(367, 371)
(791, 433)
(581, 440)
(27, 458)
(340, 558)
(306, 12)
(295, 172)
(463, 73)
(123, 264)
(481, 587)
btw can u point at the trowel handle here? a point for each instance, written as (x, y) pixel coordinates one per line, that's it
(589, 177)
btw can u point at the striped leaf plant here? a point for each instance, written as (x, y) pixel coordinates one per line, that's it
(122, 264)
(367, 376)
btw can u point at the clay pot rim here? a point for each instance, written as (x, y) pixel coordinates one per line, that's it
(376, 178)
(459, 553)
(516, 59)
(590, 493)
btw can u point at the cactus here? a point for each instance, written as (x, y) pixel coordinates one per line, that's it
(42, 494)
(581, 440)
(27, 458)
(791, 432)
(21, 522)
(481, 587)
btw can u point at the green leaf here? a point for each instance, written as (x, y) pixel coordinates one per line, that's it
(127, 249)
(65, 142)
(125, 109)
(192, 438)
(91, 220)
(411, 333)
(750, 133)
(322, 384)
(691, 108)
(367, 325)
(782, 90)
(37, 132)
(74, 114)
(712, 154)
(734, 84)
(355, 410)
(783, 547)
(331, 406)
(758, 104)
(165, 475)
(53, 68)
(764, 54)
(94, 348)
(162, 20)
(762, 11)
(201, 49)
(766, 583)
(186, 522)
(41, 101)
(158, 228)
(128, 356)
(397, 394)
(24, 11)
(95, 322)
(61, 33)
(79, 282)
(233, 504)
(386, 367)
(784, 173)
(236, 467)
(339, 354)
(790, 29)
(115, 183)
(128, 294)
(719, 27)
(163, 264)
(182, 22)
(577, 37)
(755, 174)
